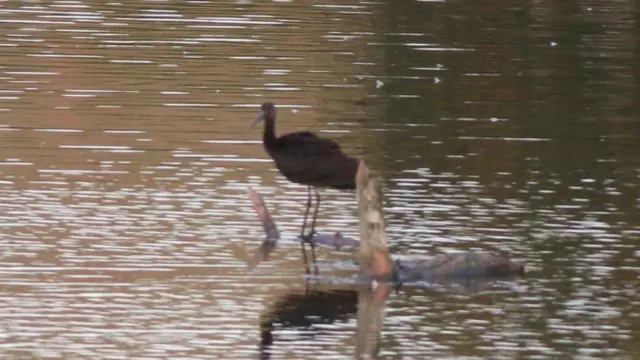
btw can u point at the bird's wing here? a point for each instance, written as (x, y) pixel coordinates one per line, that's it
(307, 143)
(306, 158)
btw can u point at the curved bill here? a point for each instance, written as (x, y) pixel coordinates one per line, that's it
(258, 119)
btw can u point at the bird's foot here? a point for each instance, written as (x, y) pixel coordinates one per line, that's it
(397, 287)
(338, 237)
(307, 238)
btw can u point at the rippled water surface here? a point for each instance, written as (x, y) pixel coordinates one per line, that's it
(126, 151)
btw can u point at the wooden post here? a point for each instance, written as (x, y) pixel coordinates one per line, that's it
(374, 258)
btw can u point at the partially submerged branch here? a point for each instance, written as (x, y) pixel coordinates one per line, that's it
(261, 210)
(471, 264)
(466, 272)
(335, 240)
(269, 226)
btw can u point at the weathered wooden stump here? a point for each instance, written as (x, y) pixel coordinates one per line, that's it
(376, 264)
(373, 257)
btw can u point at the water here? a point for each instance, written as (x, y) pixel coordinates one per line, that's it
(125, 154)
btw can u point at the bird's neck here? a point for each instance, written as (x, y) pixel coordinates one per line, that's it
(269, 135)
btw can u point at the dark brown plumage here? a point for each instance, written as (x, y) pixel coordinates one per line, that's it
(307, 159)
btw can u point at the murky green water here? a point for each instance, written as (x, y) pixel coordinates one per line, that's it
(126, 151)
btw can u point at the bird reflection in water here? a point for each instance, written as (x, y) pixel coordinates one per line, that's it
(303, 311)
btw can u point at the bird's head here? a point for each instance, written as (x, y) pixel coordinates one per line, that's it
(267, 110)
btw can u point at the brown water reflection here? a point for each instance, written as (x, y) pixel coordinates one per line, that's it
(125, 153)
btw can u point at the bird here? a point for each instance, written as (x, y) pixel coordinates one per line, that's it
(307, 159)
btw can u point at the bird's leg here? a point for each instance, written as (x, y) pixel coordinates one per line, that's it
(302, 236)
(313, 230)
(306, 213)
(315, 213)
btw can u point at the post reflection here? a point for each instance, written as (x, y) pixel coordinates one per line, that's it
(305, 313)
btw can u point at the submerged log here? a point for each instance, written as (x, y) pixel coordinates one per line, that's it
(375, 262)
(470, 264)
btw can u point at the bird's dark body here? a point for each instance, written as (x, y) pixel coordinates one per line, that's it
(305, 158)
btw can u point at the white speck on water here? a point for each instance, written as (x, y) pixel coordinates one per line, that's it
(494, 119)
(436, 80)
(294, 111)
(379, 84)
(553, 44)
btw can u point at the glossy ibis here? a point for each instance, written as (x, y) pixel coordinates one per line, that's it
(307, 159)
